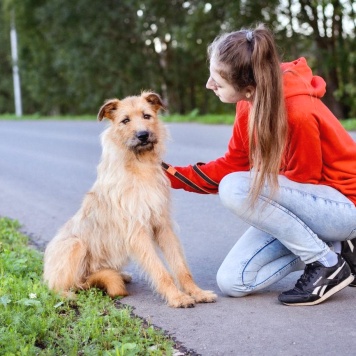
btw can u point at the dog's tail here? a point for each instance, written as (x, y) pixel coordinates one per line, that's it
(67, 268)
(109, 280)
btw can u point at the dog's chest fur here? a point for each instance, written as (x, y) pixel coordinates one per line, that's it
(137, 189)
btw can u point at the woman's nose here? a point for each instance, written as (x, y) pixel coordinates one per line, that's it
(209, 84)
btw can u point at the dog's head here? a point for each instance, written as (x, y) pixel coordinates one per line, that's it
(135, 121)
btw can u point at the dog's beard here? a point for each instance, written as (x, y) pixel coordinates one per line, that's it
(139, 147)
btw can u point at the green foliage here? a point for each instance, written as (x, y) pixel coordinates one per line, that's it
(34, 321)
(6, 92)
(73, 55)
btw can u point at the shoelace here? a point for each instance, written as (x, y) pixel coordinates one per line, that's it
(309, 272)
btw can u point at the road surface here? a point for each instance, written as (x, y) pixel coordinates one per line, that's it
(47, 166)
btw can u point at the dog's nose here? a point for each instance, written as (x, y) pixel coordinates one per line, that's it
(142, 135)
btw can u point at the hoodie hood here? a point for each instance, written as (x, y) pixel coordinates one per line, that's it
(298, 79)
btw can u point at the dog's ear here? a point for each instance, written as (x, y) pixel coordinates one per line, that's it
(107, 110)
(154, 99)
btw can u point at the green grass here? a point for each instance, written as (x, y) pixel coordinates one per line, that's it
(214, 119)
(44, 117)
(349, 124)
(217, 119)
(228, 119)
(35, 321)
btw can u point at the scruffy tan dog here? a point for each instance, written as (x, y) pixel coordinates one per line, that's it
(125, 215)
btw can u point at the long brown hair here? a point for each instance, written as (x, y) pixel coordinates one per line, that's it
(249, 58)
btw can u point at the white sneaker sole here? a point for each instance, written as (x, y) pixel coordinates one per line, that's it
(336, 289)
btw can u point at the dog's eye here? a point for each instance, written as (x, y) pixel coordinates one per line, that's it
(146, 116)
(125, 120)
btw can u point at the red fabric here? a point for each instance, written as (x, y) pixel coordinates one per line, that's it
(320, 150)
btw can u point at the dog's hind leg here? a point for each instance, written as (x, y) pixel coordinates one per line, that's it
(64, 265)
(143, 250)
(109, 280)
(172, 250)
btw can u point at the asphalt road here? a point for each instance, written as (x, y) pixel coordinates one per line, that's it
(47, 166)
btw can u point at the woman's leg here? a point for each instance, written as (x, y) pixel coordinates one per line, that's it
(301, 217)
(256, 261)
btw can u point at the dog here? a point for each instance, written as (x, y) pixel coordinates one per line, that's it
(125, 215)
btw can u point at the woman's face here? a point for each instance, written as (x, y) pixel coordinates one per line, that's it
(224, 90)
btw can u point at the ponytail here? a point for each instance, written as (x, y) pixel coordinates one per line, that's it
(250, 58)
(267, 120)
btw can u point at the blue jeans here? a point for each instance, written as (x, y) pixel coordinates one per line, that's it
(295, 227)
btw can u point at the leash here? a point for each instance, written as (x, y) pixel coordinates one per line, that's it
(172, 171)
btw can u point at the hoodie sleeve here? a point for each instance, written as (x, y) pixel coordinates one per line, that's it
(207, 176)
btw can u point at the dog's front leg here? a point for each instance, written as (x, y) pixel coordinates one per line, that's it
(172, 250)
(143, 250)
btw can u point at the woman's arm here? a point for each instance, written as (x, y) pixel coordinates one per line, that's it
(207, 176)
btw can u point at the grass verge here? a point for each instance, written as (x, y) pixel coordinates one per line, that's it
(349, 124)
(54, 117)
(218, 119)
(221, 119)
(35, 321)
(228, 119)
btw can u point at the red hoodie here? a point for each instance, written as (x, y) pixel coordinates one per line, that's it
(320, 150)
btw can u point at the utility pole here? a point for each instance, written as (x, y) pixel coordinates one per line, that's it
(15, 68)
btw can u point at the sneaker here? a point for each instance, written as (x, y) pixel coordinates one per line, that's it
(318, 283)
(348, 252)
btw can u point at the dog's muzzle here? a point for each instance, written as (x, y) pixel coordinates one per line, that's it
(143, 141)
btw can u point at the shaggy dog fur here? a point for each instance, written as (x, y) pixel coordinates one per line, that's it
(125, 215)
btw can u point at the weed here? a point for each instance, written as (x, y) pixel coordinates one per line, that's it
(35, 321)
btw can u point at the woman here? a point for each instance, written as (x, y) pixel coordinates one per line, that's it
(289, 172)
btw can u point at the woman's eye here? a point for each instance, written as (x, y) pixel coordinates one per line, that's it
(146, 116)
(125, 121)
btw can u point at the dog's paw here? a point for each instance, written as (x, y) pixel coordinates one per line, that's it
(182, 301)
(204, 296)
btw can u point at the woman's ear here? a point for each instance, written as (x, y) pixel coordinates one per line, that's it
(249, 91)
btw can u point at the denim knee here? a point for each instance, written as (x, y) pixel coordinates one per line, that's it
(228, 284)
(233, 191)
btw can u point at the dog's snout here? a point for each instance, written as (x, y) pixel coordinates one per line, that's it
(142, 135)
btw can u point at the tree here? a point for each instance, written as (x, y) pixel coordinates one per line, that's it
(331, 26)
(74, 55)
(6, 84)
